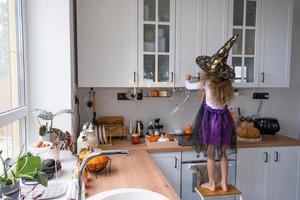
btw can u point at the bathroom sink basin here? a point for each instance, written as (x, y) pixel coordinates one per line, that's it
(128, 194)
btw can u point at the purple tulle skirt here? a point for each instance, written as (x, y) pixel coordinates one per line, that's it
(214, 132)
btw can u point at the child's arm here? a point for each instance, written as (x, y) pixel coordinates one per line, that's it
(191, 86)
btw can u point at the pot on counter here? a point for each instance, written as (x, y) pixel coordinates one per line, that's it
(267, 126)
(88, 137)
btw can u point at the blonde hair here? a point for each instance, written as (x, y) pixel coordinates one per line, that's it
(221, 92)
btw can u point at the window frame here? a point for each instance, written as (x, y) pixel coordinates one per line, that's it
(21, 112)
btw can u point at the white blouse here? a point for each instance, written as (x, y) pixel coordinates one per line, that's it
(208, 98)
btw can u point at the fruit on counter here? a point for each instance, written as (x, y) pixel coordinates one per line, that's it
(153, 138)
(41, 144)
(188, 130)
(170, 137)
(247, 130)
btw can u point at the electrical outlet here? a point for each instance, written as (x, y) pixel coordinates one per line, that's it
(262, 95)
(122, 96)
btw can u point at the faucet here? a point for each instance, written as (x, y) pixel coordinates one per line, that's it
(88, 158)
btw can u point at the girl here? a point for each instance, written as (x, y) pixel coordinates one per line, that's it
(213, 131)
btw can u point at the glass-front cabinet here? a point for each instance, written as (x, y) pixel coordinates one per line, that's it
(244, 55)
(156, 43)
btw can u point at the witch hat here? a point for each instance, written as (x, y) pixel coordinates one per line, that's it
(216, 64)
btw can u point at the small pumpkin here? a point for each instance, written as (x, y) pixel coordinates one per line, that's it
(247, 130)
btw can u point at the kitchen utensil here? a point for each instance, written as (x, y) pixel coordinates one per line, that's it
(267, 126)
(95, 114)
(88, 137)
(139, 128)
(104, 135)
(101, 134)
(241, 118)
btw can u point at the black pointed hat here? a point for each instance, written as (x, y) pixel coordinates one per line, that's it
(216, 64)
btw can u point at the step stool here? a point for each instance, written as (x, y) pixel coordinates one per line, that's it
(205, 193)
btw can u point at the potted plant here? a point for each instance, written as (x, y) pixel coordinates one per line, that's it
(27, 167)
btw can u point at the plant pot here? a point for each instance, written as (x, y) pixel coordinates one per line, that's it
(12, 191)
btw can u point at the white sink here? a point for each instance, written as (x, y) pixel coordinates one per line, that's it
(128, 194)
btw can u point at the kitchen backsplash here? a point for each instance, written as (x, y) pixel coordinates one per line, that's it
(283, 105)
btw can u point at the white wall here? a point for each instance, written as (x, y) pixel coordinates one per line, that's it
(48, 58)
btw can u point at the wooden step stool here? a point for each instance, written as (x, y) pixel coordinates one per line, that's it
(205, 193)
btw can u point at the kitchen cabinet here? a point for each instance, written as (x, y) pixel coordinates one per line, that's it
(199, 31)
(261, 55)
(170, 164)
(156, 43)
(107, 43)
(276, 33)
(268, 173)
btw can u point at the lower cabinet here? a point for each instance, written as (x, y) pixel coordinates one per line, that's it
(269, 173)
(169, 164)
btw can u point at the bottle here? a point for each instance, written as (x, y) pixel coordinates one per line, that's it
(150, 128)
(129, 135)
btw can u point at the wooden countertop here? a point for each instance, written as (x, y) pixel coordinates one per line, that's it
(268, 141)
(137, 170)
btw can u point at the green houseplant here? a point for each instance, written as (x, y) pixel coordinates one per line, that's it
(27, 167)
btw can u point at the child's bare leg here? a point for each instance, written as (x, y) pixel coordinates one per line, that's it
(224, 173)
(211, 171)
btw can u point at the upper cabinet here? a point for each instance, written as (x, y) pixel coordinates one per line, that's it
(156, 43)
(107, 43)
(261, 55)
(201, 29)
(276, 36)
(244, 21)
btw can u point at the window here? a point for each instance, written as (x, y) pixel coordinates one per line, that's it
(13, 108)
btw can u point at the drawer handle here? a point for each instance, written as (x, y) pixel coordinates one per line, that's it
(276, 156)
(266, 157)
(172, 77)
(175, 163)
(263, 77)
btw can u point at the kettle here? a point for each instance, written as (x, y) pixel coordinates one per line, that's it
(88, 137)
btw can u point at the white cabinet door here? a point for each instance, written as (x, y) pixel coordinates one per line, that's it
(215, 25)
(107, 43)
(276, 32)
(188, 38)
(201, 29)
(284, 177)
(170, 165)
(253, 166)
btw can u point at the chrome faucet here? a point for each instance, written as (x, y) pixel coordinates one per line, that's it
(87, 159)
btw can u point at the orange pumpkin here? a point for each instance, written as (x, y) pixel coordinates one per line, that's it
(188, 130)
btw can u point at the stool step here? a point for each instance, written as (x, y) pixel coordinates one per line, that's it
(232, 191)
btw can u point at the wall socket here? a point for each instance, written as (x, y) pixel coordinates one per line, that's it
(262, 95)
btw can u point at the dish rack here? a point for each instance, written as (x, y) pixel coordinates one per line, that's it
(114, 126)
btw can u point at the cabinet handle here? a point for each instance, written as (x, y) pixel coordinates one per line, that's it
(266, 157)
(134, 76)
(172, 77)
(276, 156)
(263, 77)
(176, 162)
